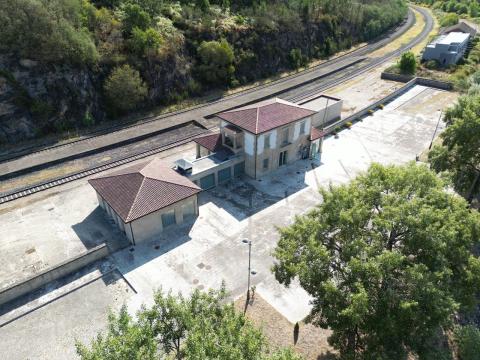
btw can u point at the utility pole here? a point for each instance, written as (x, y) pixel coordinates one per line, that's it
(436, 128)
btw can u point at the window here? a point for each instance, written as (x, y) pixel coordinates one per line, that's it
(285, 136)
(267, 141)
(265, 164)
(302, 128)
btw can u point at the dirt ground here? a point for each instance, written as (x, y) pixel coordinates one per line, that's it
(311, 342)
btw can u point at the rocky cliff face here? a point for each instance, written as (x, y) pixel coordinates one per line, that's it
(36, 99)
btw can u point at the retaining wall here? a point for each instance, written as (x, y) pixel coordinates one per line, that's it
(442, 85)
(67, 267)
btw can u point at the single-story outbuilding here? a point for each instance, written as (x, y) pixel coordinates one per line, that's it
(144, 199)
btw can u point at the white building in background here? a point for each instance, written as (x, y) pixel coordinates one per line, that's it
(447, 49)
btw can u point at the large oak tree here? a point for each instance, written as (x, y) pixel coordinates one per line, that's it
(387, 259)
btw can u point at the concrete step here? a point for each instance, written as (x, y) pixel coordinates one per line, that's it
(53, 291)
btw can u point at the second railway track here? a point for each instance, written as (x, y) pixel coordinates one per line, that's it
(16, 194)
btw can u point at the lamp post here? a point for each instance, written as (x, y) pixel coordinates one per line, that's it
(249, 242)
(436, 128)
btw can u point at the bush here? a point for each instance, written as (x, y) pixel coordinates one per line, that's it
(124, 89)
(467, 339)
(216, 59)
(337, 130)
(408, 63)
(297, 60)
(449, 19)
(348, 124)
(432, 64)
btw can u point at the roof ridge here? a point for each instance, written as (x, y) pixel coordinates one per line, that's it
(256, 122)
(174, 183)
(135, 200)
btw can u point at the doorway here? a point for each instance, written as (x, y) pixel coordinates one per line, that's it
(282, 159)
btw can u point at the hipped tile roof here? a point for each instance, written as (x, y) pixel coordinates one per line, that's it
(143, 189)
(265, 116)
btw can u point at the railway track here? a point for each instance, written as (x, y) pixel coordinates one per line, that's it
(17, 194)
(365, 49)
(371, 65)
(296, 98)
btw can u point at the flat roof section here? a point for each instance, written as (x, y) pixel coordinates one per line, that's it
(320, 103)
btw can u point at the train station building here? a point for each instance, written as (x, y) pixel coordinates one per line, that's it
(146, 198)
(258, 139)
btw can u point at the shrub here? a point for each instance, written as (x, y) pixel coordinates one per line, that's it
(408, 63)
(337, 129)
(432, 64)
(348, 124)
(124, 88)
(216, 59)
(370, 112)
(88, 119)
(467, 339)
(297, 60)
(449, 19)
(381, 106)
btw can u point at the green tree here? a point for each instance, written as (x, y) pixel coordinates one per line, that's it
(45, 30)
(459, 154)
(216, 62)
(134, 17)
(449, 19)
(124, 88)
(145, 43)
(202, 326)
(387, 260)
(467, 339)
(408, 63)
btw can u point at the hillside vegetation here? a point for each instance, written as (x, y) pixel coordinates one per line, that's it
(62, 59)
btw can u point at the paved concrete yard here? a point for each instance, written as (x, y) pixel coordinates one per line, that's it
(47, 232)
(202, 254)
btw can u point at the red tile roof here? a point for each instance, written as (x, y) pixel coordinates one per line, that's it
(213, 143)
(143, 189)
(316, 134)
(265, 116)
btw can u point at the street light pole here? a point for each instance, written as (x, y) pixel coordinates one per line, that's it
(249, 242)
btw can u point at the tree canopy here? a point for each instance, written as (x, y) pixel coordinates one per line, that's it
(459, 154)
(201, 326)
(124, 88)
(408, 63)
(387, 260)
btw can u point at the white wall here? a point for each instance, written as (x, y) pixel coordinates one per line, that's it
(249, 143)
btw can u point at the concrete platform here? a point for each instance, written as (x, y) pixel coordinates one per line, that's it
(202, 254)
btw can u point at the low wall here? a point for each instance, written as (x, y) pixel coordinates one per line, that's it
(442, 85)
(67, 267)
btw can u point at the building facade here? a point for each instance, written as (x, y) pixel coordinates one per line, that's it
(447, 49)
(144, 199)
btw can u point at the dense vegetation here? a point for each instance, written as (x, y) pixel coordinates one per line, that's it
(202, 326)
(458, 156)
(182, 48)
(389, 261)
(459, 7)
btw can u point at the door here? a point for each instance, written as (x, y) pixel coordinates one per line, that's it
(239, 169)
(282, 159)
(168, 218)
(207, 182)
(224, 175)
